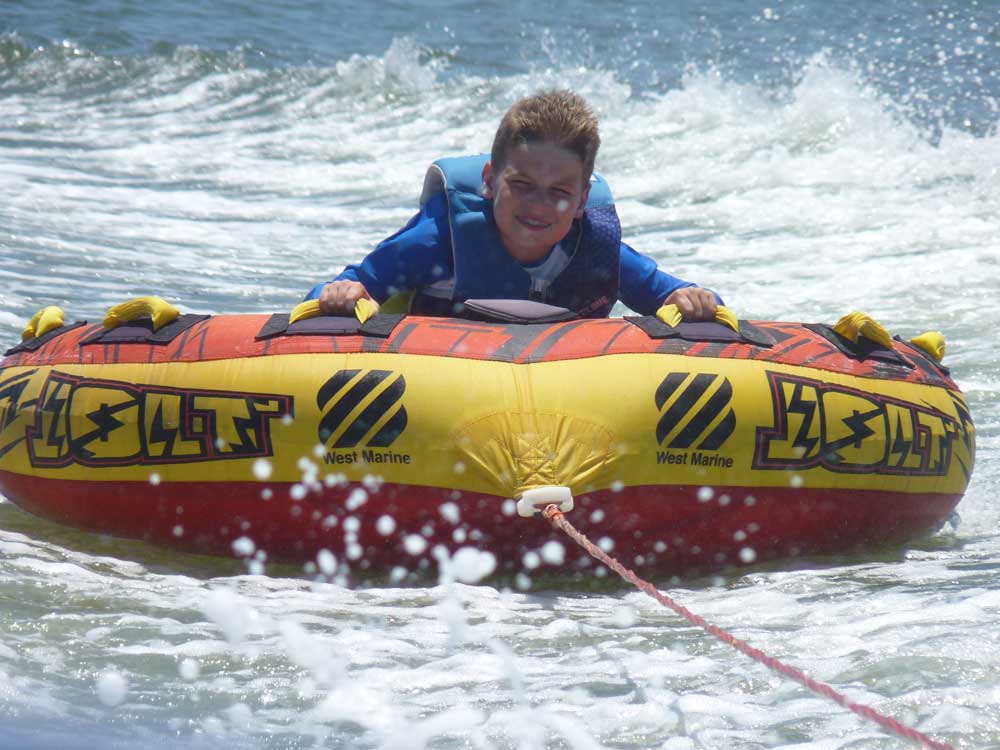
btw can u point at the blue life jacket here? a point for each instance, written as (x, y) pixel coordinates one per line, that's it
(484, 269)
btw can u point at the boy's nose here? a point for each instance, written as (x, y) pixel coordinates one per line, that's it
(541, 196)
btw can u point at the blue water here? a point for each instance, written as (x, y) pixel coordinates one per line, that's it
(802, 158)
(937, 61)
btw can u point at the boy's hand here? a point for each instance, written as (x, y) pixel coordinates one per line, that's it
(339, 297)
(694, 303)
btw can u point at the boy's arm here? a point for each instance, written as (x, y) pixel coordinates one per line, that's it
(417, 255)
(644, 287)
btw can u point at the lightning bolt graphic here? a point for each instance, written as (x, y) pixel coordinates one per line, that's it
(11, 407)
(105, 423)
(245, 430)
(158, 433)
(54, 406)
(807, 408)
(858, 423)
(900, 445)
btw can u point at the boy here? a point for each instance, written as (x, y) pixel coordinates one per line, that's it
(531, 222)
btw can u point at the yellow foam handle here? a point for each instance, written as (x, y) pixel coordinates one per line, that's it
(931, 342)
(727, 317)
(304, 311)
(671, 315)
(857, 325)
(363, 309)
(156, 308)
(43, 321)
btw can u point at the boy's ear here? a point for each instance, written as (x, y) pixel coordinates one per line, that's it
(583, 201)
(488, 180)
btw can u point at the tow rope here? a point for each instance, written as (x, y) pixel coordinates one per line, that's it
(555, 516)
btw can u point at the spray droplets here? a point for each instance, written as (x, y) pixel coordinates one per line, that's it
(449, 512)
(415, 544)
(356, 499)
(262, 469)
(327, 562)
(471, 565)
(244, 546)
(189, 669)
(553, 553)
(112, 687)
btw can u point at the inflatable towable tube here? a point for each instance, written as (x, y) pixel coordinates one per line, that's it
(686, 446)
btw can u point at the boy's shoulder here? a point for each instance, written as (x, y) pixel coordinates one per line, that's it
(600, 192)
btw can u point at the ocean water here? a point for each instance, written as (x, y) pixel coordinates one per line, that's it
(802, 158)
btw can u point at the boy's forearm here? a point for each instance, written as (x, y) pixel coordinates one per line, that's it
(412, 258)
(644, 286)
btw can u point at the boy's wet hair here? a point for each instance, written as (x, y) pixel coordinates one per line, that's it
(559, 117)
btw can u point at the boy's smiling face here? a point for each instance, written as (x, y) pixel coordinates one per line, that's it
(536, 194)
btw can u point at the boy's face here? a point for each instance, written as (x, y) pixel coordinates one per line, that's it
(536, 194)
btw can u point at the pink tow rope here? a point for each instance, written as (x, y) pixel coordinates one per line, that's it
(555, 517)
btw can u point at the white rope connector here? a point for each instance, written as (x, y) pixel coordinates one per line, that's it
(538, 498)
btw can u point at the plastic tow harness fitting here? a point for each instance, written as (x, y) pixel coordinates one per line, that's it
(533, 501)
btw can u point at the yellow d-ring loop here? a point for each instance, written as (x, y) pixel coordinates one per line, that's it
(159, 310)
(43, 321)
(363, 309)
(857, 325)
(671, 315)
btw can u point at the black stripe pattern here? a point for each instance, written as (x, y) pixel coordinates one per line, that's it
(362, 404)
(696, 411)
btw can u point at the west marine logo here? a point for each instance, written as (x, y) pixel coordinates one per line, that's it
(846, 430)
(67, 419)
(696, 415)
(362, 408)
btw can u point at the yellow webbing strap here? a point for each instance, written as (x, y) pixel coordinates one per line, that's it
(931, 342)
(671, 315)
(161, 312)
(363, 309)
(43, 321)
(857, 325)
